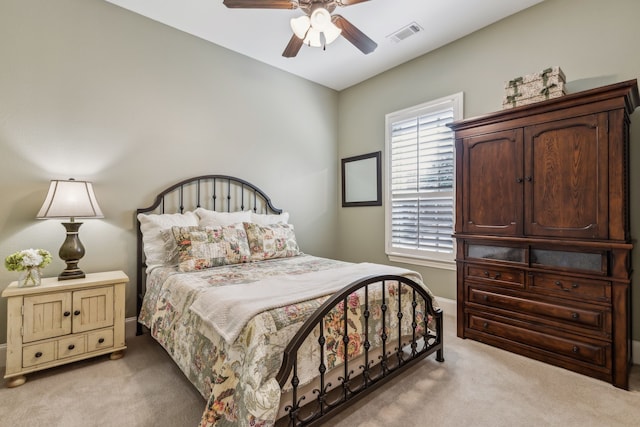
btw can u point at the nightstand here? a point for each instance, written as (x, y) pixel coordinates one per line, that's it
(65, 321)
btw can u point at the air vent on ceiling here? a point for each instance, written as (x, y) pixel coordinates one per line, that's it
(405, 32)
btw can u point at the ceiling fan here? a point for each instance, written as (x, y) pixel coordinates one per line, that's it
(317, 27)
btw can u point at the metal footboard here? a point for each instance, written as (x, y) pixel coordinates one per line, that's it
(377, 366)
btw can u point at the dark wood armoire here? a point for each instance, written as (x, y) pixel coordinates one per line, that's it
(542, 230)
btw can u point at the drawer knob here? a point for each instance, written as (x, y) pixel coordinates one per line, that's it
(71, 347)
(67, 313)
(100, 340)
(485, 325)
(38, 354)
(486, 274)
(575, 315)
(485, 297)
(575, 285)
(76, 313)
(575, 349)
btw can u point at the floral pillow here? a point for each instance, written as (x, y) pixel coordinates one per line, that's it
(152, 225)
(206, 247)
(271, 241)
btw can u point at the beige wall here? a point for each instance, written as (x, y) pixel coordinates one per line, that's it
(595, 42)
(91, 91)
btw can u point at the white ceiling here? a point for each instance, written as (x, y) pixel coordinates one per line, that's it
(262, 34)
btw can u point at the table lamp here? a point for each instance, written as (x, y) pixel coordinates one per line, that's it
(70, 199)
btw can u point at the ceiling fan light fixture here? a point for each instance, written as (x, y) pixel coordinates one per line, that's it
(331, 33)
(300, 26)
(313, 38)
(320, 19)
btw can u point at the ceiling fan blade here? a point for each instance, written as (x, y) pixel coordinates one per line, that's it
(293, 47)
(354, 35)
(349, 2)
(261, 4)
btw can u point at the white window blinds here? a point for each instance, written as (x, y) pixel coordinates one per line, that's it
(420, 207)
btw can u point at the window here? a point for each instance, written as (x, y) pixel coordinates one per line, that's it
(419, 208)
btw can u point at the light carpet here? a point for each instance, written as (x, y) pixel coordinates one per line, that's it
(477, 385)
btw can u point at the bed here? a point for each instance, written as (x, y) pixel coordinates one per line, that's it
(270, 335)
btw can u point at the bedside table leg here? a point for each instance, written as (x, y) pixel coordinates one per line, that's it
(16, 381)
(116, 355)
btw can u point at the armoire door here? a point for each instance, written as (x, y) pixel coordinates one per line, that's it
(492, 174)
(566, 178)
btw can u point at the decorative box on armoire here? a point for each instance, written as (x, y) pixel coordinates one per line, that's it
(542, 229)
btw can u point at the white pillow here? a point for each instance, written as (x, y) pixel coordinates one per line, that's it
(152, 225)
(267, 219)
(223, 219)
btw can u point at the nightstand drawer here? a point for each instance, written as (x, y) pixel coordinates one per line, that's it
(71, 346)
(100, 339)
(38, 353)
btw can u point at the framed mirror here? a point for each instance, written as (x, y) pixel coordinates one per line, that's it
(362, 180)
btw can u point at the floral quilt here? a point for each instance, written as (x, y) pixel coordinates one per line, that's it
(238, 379)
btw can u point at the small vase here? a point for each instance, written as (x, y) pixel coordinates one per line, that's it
(29, 277)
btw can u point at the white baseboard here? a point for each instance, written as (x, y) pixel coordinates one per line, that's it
(447, 305)
(130, 324)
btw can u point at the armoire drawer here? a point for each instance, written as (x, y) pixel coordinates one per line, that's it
(575, 348)
(593, 318)
(571, 287)
(497, 275)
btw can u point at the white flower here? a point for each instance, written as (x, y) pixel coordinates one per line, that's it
(31, 258)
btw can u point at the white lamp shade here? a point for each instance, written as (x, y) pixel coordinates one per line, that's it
(320, 19)
(313, 38)
(331, 33)
(300, 26)
(70, 199)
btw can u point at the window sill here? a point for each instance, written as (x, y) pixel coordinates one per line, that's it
(433, 263)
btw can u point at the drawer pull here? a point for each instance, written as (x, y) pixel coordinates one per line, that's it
(559, 283)
(71, 347)
(485, 325)
(575, 285)
(486, 274)
(485, 297)
(67, 313)
(76, 313)
(100, 341)
(575, 315)
(497, 276)
(575, 349)
(38, 354)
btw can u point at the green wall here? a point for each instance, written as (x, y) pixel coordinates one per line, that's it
(593, 41)
(92, 91)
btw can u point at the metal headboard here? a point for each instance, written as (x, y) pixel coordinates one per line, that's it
(220, 193)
